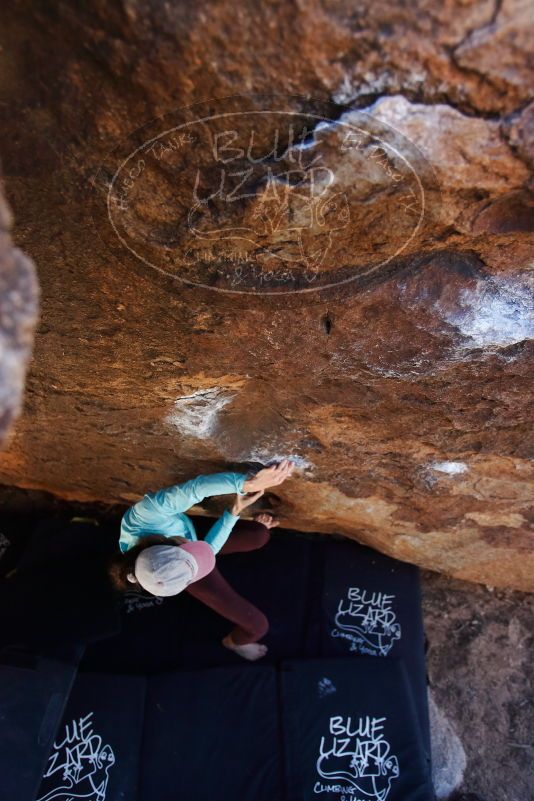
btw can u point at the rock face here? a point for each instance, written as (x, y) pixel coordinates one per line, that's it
(231, 275)
(18, 316)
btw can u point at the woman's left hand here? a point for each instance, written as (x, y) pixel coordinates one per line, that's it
(270, 476)
(242, 501)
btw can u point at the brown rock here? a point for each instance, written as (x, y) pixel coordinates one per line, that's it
(520, 131)
(513, 212)
(508, 34)
(353, 293)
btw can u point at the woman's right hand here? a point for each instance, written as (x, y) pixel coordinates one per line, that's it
(242, 501)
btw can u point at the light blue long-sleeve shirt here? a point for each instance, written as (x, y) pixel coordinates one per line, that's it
(162, 512)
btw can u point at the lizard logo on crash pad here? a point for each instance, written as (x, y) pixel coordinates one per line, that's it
(367, 621)
(356, 760)
(79, 764)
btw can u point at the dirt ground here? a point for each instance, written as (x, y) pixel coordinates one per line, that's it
(480, 664)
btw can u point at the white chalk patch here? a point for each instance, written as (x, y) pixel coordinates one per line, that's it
(376, 84)
(268, 458)
(196, 415)
(345, 92)
(369, 83)
(451, 468)
(496, 313)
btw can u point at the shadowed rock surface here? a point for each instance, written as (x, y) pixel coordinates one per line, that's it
(374, 320)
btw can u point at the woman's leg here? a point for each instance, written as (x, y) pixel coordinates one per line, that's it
(215, 592)
(247, 535)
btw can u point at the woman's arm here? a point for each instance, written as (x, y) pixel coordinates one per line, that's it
(156, 510)
(222, 528)
(181, 497)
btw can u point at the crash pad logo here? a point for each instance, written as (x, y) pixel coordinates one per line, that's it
(355, 760)
(79, 764)
(367, 621)
(135, 601)
(256, 194)
(325, 687)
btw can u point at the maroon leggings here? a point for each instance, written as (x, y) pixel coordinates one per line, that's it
(215, 592)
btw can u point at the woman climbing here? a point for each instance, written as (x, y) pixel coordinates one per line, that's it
(162, 555)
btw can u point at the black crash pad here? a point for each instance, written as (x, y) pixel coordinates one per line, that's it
(371, 607)
(33, 693)
(351, 732)
(60, 593)
(96, 750)
(162, 634)
(312, 729)
(198, 722)
(212, 734)
(301, 584)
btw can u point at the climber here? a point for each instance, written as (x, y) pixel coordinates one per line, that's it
(161, 554)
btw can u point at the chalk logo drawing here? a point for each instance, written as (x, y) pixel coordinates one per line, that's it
(79, 764)
(265, 194)
(356, 760)
(282, 212)
(367, 621)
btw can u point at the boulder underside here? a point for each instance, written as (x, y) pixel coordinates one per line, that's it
(292, 230)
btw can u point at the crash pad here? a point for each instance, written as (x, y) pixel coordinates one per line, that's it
(371, 607)
(212, 734)
(96, 750)
(34, 689)
(351, 732)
